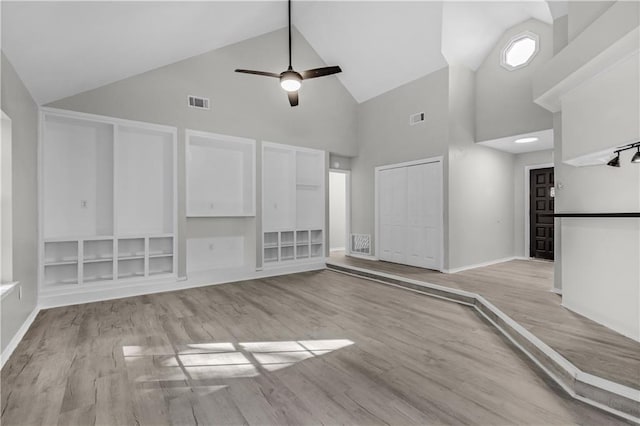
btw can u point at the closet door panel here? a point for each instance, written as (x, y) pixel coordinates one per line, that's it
(424, 215)
(393, 214)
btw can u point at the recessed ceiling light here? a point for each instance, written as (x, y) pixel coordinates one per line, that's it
(526, 140)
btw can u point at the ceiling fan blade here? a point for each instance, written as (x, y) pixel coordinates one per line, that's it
(264, 73)
(320, 72)
(293, 98)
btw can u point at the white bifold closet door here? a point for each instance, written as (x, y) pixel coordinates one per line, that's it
(410, 215)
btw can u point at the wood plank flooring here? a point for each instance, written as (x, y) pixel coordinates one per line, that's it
(520, 289)
(312, 348)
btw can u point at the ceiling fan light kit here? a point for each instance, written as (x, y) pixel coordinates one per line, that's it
(291, 80)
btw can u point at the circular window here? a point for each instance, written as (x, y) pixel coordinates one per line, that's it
(519, 51)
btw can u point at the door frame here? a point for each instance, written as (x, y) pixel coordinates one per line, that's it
(347, 195)
(527, 204)
(376, 229)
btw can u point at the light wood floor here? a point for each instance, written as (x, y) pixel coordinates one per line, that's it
(520, 289)
(335, 350)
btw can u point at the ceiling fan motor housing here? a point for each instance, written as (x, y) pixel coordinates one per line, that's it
(290, 80)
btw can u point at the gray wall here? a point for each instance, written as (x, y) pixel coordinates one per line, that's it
(242, 105)
(581, 14)
(560, 33)
(480, 186)
(520, 192)
(504, 100)
(385, 137)
(18, 104)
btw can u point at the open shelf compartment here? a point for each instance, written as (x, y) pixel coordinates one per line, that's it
(131, 248)
(130, 268)
(60, 252)
(160, 266)
(60, 274)
(97, 250)
(160, 246)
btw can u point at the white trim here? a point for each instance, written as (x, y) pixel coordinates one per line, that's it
(410, 163)
(480, 265)
(376, 230)
(17, 338)
(195, 279)
(347, 227)
(6, 209)
(362, 256)
(188, 133)
(108, 120)
(527, 204)
(503, 53)
(7, 288)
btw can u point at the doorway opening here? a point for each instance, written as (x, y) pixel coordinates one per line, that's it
(541, 209)
(339, 210)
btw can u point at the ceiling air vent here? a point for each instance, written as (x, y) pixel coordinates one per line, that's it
(416, 118)
(197, 102)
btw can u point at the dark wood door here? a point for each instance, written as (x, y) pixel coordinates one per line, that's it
(541, 204)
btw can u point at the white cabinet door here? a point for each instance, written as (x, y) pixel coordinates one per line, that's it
(424, 206)
(393, 214)
(410, 215)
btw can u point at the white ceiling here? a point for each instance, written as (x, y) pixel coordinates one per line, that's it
(63, 48)
(507, 144)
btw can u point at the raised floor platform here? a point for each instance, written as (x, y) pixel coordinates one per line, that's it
(521, 290)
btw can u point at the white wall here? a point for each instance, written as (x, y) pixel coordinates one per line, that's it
(521, 192)
(581, 14)
(18, 104)
(241, 105)
(504, 102)
(480, 199)
(337, 211)
(385, 137)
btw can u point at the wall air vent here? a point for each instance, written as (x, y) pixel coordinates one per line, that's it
(416, 118)
(198, 102)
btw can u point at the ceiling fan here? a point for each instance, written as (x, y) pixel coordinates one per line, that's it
(291, 80)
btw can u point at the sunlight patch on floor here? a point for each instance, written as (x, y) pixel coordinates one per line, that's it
(221, 360)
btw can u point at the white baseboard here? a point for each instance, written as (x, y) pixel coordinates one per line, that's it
(479, 265)
(194, 279)
(17, 338)
(362, 256)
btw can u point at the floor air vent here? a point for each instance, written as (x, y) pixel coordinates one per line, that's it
(199, 103)
(361, 243)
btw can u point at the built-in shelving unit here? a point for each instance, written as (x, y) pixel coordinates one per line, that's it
(220, 175)
(108, 197)
(293, 200)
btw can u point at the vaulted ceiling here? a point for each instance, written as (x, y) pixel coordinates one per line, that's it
(64, 48)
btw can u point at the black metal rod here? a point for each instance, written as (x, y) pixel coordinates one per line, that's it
(290, 34)
(604, 215)
(627, 147)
